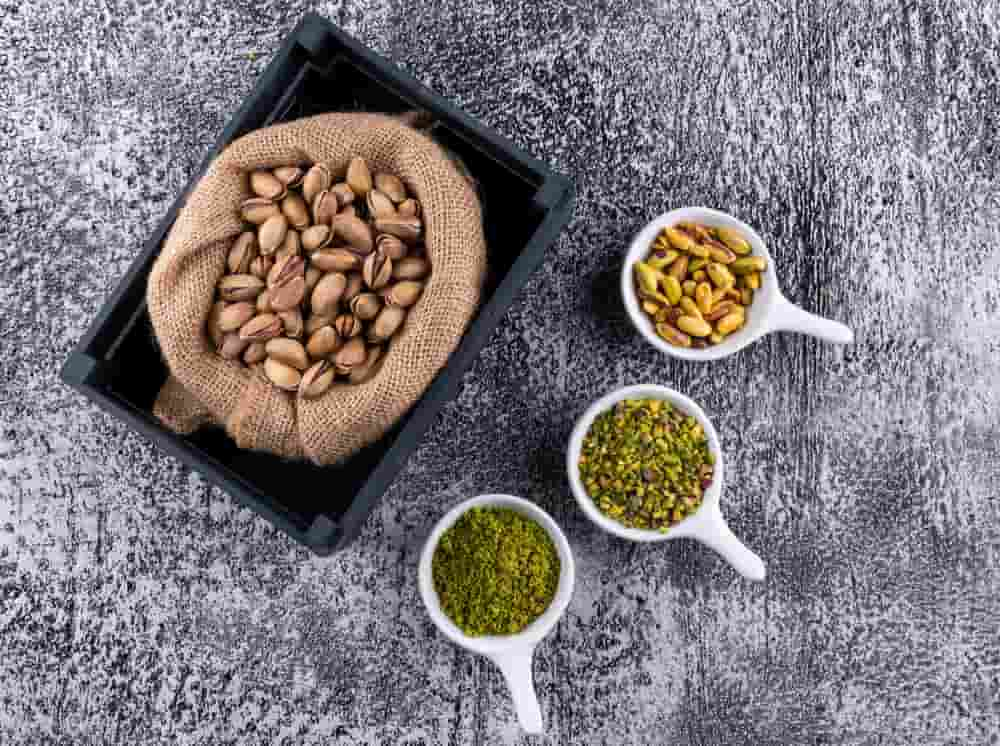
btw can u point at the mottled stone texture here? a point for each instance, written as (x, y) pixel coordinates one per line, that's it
(138, 605)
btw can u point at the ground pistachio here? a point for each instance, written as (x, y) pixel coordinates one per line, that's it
(495, 571)
(645, 463)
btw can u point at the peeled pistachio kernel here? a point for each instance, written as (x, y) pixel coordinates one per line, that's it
(689, 307)
(317, 380)
(699, 276)
(715, 337)
(650, 307)
(688, 287)
(747, 264)
(703, 297)
(662, 258)
(732, 294)
(732, 238)
(668, 314)
(746, 296)
(720, 252)
(679, 239)
(730, 323)
(647, 277)
(753, 280)
(719, 295)
(696, 230)
(719, 310)
(696, 327)
(720, 275)
(696, 264)
(679, 268)
(672, 289)
(281, 375)
(673, 335)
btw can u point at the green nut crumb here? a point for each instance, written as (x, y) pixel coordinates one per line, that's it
(646, 464)
(495, 571)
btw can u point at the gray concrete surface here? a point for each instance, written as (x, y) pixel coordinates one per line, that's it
(139, 605)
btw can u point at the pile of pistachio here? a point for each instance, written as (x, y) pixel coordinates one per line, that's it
(323, 277)
(697, 283)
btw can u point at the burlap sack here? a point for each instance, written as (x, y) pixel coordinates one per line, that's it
(203, 388)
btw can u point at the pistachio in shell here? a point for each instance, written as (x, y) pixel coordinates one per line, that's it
(355, 284)
(289, 293)
(281, 375)
(325, 207)
(364, 371)
(355, 231)
(291, 322)
(313, 275)
(315, 181)
(285, 269)
(347, 326)
(288, 351)
(261, 266)
(387, 323)
(366, 306)
(290, 176)
(264, 302)
(291, 246)
(392, 246)
(317, 380)
(391, 186)
(215, 333)
(271, 234)
(316, 237)
(343, 193)
(323, 342)
(254, 353)
(232, 346)
(294, 208)
(316, 322)
(379, 205)
(411, 268)
(328, 293)
(257, 210)
(236, 315)
(234, 288)
(336, 260)
(261, 328)
(266, 184)
(377, 270)
(404, 293)
(242, 253)
(408, 208)
(359, 178)
(351, 355)
(407, 229)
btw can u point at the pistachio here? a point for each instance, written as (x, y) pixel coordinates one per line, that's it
(291, 246)
(214, 332)
(327, 294)
(387, 323)
(254, 353)
(281, 375)
(679, 239)
(411, 268)
(261, 328)
(673, 335)
(404, 293)
(351, 355)
(236, 315)
(696, 231)
(720, 275)
(316, 322)
(261, 267)
(323, 342)
(747, 264)
(364, 371)
(355, 284)
(317, 380)
(289, 352)
(290, 176)
(699, 276)
(313, 275)
(688, 287)
(284, 269)
(272, 234)
(289, 293)
(264, 302)
(733, 240)
(391, 186)
(295, 210)
(719, 310)
(720, 252)
(647, 277)
(240, 287)
(242, 253)
(679, 268)
(257, 210)
(746, 296)
(697, 264)
(232, 346)
(672, 289)
(292, 322)
(662, 258)
(650, 307)
(392, 246)
(267, 185)
(343, 193)
(379, 206)
(359, 178)
(366, 306)
(703, 297)
(689, 307)
(377, 270)
(347, 326)
(730, 323)
(402, 227)
(669, 314)
(316, 237)
(695, 326)
(355, 231)
(408, 208)
(349, 211)
(325, 207)
(715, 337)
(315, 181)
(733, 294)
(336, 260)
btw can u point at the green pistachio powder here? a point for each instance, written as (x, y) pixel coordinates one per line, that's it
(645, 463)
(495, 571)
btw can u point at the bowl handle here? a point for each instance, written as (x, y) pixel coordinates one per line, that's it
(715, 533)
(789, 317)
(516, 668)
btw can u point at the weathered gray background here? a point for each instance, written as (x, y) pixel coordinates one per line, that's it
(139, 605)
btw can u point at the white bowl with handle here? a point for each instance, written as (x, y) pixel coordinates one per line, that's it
(511, 653)
(706, 524)
(769, 312)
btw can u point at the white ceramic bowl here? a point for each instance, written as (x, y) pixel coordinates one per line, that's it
(769, 312)
(706, 525)
(511, 653)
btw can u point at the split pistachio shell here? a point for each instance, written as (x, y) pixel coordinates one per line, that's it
(364, 371)
(366, 306)
(316, 237)
(391, 186)
(392, 246)
(323, 342)
(404, 293)
(351, 355)
(294, 208)
(317, 380)
(316, 322)
(343, 193)
(291, 246)
(261, 328)
(327, 294)
(289, 352)
(285, 269)
(315, 181)
(240, 287)
(408, 208)
(281, 375)
(379, 206)
(288, 294)
(337, 260)
(272, 233)
(267, 185)
(292, 322)
(410, 268)
(242, 253)
(387, 323)
(359, 178)
(355, 232)
(290, 176)
(257, 210)
(405, 228)
(347, 326)
(324, 207)
(377, 270)
(236, 315)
